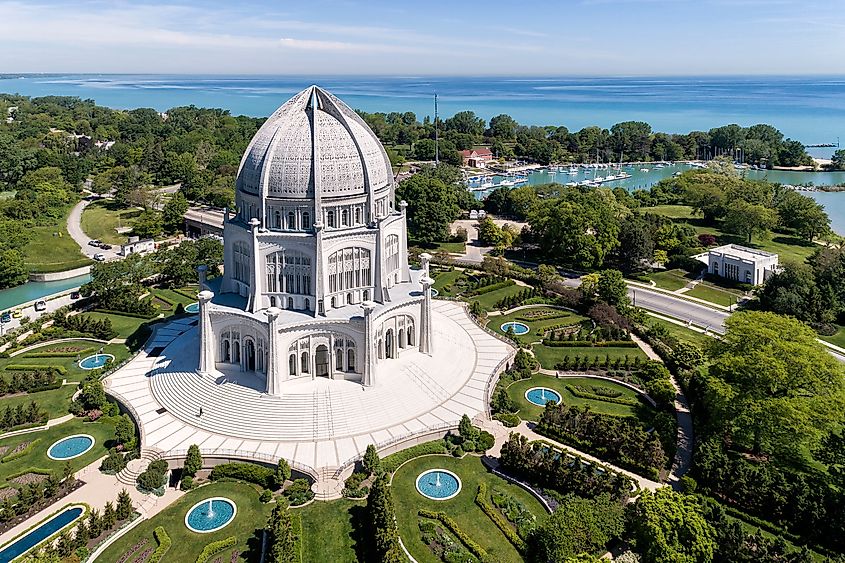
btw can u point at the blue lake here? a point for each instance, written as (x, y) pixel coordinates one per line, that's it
(30, 291)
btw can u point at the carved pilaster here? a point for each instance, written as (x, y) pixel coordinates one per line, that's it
(274, 367)
(206, 363)
(368, 377)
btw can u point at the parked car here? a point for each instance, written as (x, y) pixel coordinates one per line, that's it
(6, 317)
(74, 295)
(99, 257)
(94, 242)
(105, 246)
(41, 305)
(17, 313)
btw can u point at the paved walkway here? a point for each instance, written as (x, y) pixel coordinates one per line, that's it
(685, 437)
(74, 229)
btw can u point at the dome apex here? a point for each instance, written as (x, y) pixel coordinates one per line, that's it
(314, 143)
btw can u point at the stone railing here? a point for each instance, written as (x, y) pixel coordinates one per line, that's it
(244, 455)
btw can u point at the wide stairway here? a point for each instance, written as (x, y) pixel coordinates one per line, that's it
(129, 475)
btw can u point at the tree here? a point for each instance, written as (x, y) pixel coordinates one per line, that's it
(124, 430)
(13, 270)
(802, 214)
(92, 395)
(748, 219)
(771, 386)
(173, 213)
(502, 126)
(371, 460)
(466, 430)
(124, 505)
(193, 461)
(283, 472)
(383, 522)
(670, 527)
(283, 546)
(611, 288)
(148, 224)
(465, 122)
(432, 205)
(578, 525)
(837, 161)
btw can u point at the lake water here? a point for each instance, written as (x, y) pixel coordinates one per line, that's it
(30, 291)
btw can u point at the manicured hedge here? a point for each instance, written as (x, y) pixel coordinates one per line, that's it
(470, 544)
(23, 452)
(594, 397)
(510, 420)
(151, 315)
(491, 287)
(497, 518)
(35, 367)
(249, 472)
(216, 546)
(393, 461)
(48, 354)
(164, 543)
(589, 343)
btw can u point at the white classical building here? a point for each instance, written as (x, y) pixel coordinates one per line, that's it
(317, 282)
(740, 263)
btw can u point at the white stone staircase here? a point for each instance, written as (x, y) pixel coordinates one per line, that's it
(129, 475)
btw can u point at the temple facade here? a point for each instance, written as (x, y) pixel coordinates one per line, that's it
(316, 278)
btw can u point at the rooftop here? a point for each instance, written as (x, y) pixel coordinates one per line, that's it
(742, 252)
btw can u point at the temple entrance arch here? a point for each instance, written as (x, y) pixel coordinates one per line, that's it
(388, 343)
(321, 361)
(249, 355)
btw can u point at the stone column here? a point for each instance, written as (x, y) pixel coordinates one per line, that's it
(202, 274)
(275, 374)
(206, 364)
(319, 289)
(426, 340)
(255, 276)
(403, 243)
(368, 376)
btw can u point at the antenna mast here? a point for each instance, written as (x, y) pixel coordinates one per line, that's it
(436, 135)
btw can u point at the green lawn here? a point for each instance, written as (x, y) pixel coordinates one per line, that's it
(448, 278)
(548, 356)
(36, 458)
(54, 402)
(495, 323)
(529, 411)
(462, 508)
(714, 294)
(251, 518)
(488, 300)
(683, 333)
(174, 297)
(789, 248)
(671, 280)
(119, 351)
(124, 325)
(334, 532)
(51, 249)
(100, 220)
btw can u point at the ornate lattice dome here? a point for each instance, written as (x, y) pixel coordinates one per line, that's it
(314, 141)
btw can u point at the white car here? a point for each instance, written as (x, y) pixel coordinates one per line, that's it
(41, 305)
(100, 257)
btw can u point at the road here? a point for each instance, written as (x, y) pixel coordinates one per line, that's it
(28, 310)
(74, 229)
(681, 309)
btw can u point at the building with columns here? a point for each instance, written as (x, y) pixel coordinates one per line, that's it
(316, 278)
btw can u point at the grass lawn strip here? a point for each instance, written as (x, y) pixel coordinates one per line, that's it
(54, 402)
(123, 324)
(100, 220)
(332, 531)
(530, 411)
(469, 517)
(52, 249)
(671, 280)
(488, 300)
(713, 294)
(685, 334)
(186, 545)
(549, 356)
(119, 351)
(567, 318)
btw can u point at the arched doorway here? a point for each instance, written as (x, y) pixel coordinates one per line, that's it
(227, 352)
(249, 355)
(236, 352)
(388, 343)
(321, 361)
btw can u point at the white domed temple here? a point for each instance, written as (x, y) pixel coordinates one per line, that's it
(318, 339)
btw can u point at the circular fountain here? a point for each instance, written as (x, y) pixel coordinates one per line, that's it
(211, 514)
(70, 447)
(438, 484)
(541, 395)
(518, 328)
(96, 361)
(193, 308)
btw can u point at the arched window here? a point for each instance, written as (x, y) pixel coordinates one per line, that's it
(366, 295)
(290, 302)
(240, 260)
(289, 271)
(330, 218)
(272, 301)
(306, 220)
(307, 304)
(278, 220)
(410, 334)
(349, 268)
(380, 349)
(344, 218)
(291, 221)
(304, 362)
(338, 359)
(391, 251)
(357, 215)
(401, 337)
(334, 302)
(292, 364)
(349, 299)
(350, 360)
(388, 344)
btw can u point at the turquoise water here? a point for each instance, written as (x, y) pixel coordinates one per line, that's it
(70, 447)
(810, 109)
(205, 518)
(193, 308)
(30, 291)
(542, 395)
(96, 361)
(518, 328)
(438, 485)
(40, 534)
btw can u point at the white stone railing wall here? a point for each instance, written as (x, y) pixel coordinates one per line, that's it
(242, 454)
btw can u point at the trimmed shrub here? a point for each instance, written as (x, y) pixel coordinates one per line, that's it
(216, 546)
(497, 518)
(452, 526)
(249, 472)
(510, 420)
(164, 543)
(393, 461)
(299, 492)
(596, 397)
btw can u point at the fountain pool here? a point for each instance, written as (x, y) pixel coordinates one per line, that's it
(541, 395)
(39, 534)
(438, 484)
(193, 308)
(211, 514)
(70, 447)
(518, 328)
(96, 361)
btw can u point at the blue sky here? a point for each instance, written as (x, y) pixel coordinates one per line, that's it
(435, 37)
